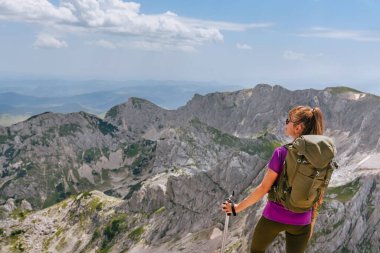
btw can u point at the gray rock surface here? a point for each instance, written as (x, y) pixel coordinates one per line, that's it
(171, 169)
(9, 206)
(26, 206)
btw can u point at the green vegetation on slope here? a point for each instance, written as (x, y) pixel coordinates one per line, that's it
(342, 89)
(345, 192)
(68, 129)
(262, 146)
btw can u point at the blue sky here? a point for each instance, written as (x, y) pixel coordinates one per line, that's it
(296, 44)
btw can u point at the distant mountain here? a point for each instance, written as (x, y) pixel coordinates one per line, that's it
(96, 102)
(170, 169)
(30, 97)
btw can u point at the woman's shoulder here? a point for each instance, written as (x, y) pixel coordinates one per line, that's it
(277, 159)
(279, 153)
(280, 150)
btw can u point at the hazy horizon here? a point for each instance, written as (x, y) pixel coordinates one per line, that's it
(24, 78)
(298, 45)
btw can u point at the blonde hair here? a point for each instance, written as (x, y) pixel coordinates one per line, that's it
(311, 119)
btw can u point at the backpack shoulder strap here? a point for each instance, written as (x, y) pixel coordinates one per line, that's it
(288, 145)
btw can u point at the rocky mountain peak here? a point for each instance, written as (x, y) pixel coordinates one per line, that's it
(169, 170)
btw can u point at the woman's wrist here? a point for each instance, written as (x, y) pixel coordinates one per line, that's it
(233, 209)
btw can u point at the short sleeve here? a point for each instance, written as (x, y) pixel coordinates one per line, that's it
(277, 161)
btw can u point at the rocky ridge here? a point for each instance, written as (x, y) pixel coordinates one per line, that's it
(173, 167)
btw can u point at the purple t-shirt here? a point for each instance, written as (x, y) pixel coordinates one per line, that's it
(275, 211)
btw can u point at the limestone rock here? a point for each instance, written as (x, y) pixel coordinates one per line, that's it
(9, 205)
(26, 206)
(171, 169)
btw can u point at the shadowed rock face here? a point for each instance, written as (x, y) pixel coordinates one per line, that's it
(50, 156)
(171, 169)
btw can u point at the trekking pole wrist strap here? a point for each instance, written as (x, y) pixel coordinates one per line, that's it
(233, 208)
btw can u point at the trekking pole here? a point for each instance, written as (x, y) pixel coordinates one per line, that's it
(229, 200)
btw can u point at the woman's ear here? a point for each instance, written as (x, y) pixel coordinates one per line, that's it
(298, 129)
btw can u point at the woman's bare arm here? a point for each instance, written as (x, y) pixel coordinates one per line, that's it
(256, 194)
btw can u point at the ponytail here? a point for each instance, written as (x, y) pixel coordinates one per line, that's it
(310, 118)
(318, 125)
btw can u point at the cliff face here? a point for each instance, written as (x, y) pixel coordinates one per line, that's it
(50, 156)
(170, 170)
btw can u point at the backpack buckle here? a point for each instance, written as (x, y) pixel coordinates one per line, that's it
(334, 164)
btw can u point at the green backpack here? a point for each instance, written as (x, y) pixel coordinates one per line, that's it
(307, 171)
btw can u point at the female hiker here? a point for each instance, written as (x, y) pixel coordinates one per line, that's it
(303, 122)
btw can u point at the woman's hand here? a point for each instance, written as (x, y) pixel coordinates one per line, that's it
(226, 207)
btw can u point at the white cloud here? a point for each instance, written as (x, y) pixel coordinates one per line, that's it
(322, 32)
(105, 44)
(290, 55)
(243, 46)
(144, 45)
(122, 18)
(35, 11)
(48, 41)
(228, 26)
(158, 46)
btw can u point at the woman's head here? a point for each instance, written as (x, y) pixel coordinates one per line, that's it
(303, 120)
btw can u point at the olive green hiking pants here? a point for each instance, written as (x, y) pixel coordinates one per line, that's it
(267, 230)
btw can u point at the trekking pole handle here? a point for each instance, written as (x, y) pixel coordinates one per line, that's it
(229, 200)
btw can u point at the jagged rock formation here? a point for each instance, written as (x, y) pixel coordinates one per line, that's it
(50, 156)
(246, 113)
(170, 169)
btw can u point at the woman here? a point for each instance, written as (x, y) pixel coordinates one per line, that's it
(298, 227)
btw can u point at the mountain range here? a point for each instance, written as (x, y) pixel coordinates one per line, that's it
(20, 99)
(149, 179)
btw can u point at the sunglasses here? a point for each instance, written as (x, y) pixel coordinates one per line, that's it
(287, 121)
